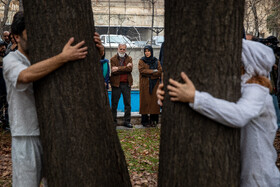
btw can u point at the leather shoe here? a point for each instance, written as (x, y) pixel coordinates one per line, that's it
(128, 125)
(146, 125)
(154, 124)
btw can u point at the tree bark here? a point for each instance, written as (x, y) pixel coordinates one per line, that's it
(203, 39)
(80, 143)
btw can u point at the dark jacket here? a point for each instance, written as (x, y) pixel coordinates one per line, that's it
(115, 76)
(2, 84)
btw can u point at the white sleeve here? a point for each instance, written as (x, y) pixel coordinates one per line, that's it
(232, 114)
(11, 70)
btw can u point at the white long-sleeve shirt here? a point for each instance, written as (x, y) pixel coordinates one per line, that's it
(254, 113)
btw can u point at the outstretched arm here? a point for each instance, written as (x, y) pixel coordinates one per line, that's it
(231, 114)
(43, 68)
(228, 113)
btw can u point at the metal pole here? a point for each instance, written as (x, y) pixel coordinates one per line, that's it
(153, 14)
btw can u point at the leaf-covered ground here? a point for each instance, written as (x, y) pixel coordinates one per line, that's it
(5, 159)
(141, 148)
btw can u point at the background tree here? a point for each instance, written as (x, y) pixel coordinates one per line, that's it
(6, 5)
(256, 14)
(81, 146)
(203, 39)
(273, 20)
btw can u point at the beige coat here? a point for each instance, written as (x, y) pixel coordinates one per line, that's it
(148, 102)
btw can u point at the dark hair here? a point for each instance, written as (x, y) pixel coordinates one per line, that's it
(18, 24)
(11, 36)
(2, 43)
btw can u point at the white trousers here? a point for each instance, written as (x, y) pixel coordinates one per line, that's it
(27, 161)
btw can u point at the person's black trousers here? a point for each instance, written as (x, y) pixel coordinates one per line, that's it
(146, 121)
(125, 90)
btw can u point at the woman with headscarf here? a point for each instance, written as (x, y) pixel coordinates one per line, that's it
(254, 113)
(150, 73)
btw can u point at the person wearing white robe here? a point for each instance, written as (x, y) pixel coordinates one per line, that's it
(254, 113)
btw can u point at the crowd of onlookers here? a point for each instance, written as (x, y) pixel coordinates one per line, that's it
(7, 45)
(150, 72)
(117, 73)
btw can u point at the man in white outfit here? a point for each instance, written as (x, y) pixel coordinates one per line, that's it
(254, 113)
(19, 75)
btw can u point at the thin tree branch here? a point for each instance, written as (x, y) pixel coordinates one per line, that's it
(3, 2)
(6, 11)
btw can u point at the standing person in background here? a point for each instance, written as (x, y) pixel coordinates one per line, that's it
(121, 82)
(150, 72)
(6, 38)
(12, 45)
(2, 50)
(105, 71)
(3, 93)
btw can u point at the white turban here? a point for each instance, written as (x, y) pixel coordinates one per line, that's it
(257, 58)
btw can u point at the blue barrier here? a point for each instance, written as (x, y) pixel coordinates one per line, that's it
(135, 100)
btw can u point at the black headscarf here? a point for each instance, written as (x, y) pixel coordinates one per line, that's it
(153, 64)
(151, 61)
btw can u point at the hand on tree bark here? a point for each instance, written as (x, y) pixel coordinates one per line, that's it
(99, 44)
(160, 94)
(76, 52)
(181, 92)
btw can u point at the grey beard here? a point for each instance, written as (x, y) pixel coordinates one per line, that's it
(121, 55)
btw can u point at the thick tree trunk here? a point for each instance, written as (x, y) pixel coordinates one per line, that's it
(81, 146)
(203, 39)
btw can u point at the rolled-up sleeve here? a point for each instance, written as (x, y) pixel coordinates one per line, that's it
(232, 114)
(11, 71)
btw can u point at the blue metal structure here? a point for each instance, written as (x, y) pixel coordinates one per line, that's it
(135, 101)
